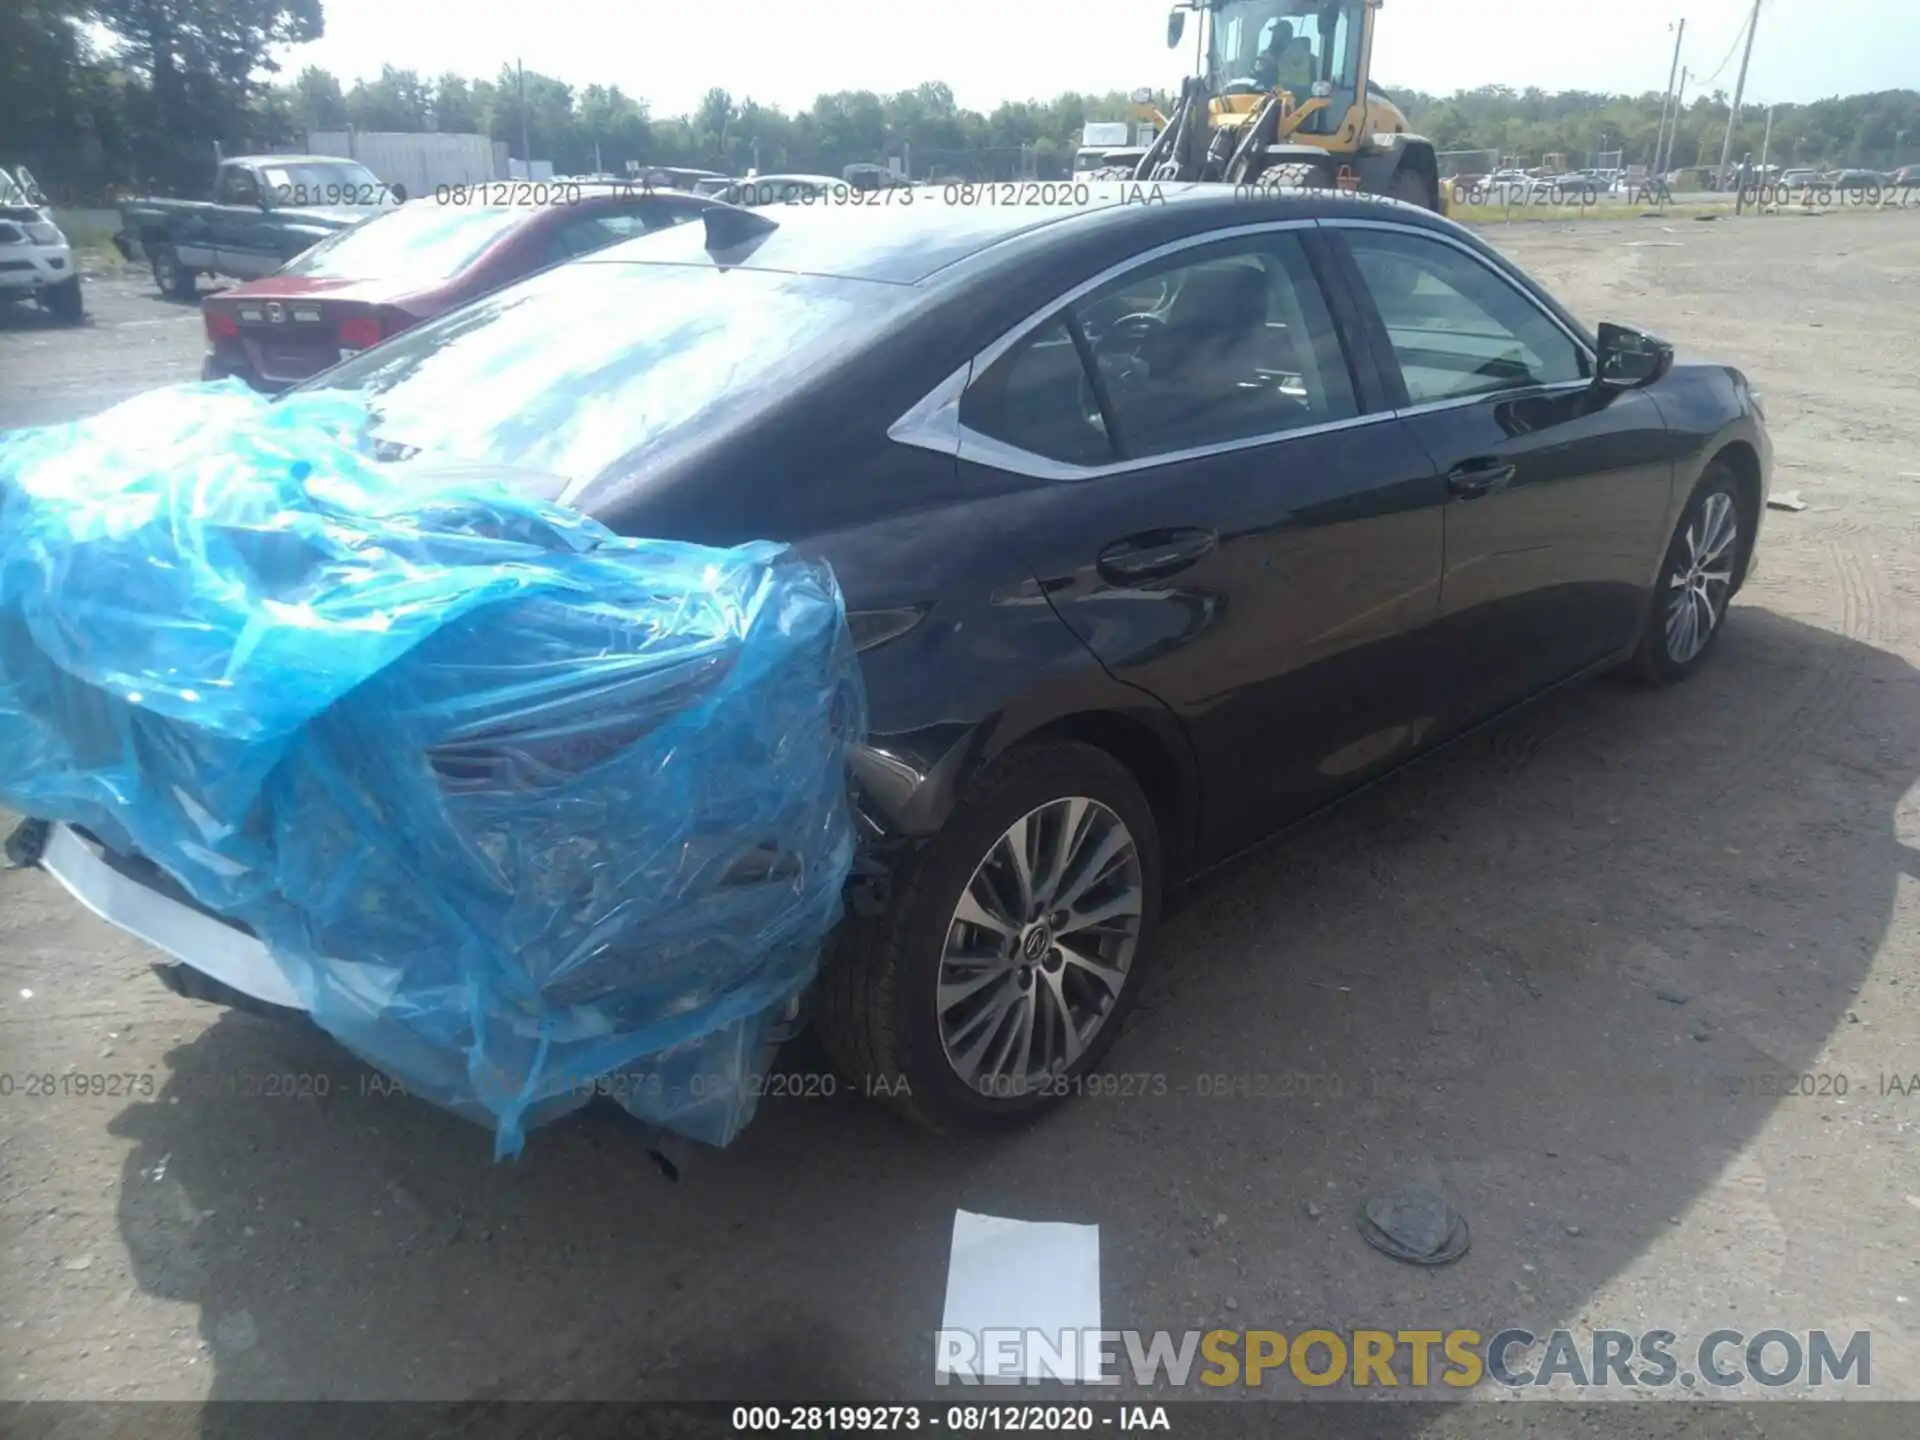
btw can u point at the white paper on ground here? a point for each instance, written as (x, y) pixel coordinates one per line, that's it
(1023, 1300)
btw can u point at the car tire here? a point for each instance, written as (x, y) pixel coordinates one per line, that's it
(64, 301)
(175, 282)
(1698, 577)
(880, 1017)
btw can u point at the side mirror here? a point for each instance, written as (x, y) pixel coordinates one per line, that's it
(399, 193)
(1176, 27)
(1632, 359)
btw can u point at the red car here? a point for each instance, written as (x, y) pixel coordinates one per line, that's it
(393, 270)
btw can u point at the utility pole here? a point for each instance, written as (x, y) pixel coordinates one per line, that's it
(1766, 144)
(526, 150)
(1739, 93)
(1666, 100)
(1665, 162)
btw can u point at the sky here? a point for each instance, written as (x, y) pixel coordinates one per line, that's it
(784, 52)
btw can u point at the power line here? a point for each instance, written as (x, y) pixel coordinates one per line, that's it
(1731, 49)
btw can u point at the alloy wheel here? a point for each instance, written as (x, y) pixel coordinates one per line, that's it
(1040, 947)
(1702, 579)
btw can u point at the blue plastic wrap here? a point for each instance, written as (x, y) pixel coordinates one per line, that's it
(525, 810)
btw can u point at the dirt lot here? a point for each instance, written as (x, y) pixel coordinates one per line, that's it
(1475, 956)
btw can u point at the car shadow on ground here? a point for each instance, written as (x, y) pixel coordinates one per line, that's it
(1458, 979)
(27, 316)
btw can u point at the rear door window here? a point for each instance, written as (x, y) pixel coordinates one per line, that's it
(1216, 345)
(1039, 399)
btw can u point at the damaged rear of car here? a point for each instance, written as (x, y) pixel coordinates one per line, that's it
(507, 803)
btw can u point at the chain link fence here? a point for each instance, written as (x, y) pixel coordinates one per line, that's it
(1009, 162)
(1468, 165)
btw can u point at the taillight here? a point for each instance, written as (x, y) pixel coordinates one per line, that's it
(357, 332)
(220, 325)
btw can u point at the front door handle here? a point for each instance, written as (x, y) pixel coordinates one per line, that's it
(1155, 555)
(1487, 475)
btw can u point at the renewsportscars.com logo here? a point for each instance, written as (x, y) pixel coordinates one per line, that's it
(1449, 1360)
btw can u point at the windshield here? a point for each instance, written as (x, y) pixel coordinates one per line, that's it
(422, 243)
(581, 367)
(319, 182)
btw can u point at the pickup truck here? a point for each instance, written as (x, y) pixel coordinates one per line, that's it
(265, 210)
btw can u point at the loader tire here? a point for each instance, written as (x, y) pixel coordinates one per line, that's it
(1411, 186)
(1295, 177)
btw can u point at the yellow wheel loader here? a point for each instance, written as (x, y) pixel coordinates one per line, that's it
(1282, 95)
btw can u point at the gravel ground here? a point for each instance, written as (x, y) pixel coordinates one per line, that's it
(1561, 973)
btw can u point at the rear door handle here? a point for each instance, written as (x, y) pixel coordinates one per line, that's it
(1471, 479)
(1154, 555)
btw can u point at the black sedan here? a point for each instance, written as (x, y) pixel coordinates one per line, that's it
(1162, 521)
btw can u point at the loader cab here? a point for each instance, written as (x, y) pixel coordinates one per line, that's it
(1312, 49)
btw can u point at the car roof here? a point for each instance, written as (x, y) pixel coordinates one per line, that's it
(628, 189)
(543, 197)
(907, 241)
(292, 160)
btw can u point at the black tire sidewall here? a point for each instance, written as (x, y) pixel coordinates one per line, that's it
(1031, 779)
(1410, 186)
(1296, 175)
(1656, 662)
(71, 306)
(175, 282)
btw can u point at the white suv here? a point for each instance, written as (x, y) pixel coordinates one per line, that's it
(36, 263)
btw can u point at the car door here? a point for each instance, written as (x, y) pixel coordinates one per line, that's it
(195, 230)
(1558, 490)
(1218, 515)
(240, 228)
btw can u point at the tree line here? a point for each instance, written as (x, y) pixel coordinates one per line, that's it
(1879, 130)
(106, 94)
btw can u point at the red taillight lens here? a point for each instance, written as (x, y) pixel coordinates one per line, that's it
(220, 325)
(357, 332)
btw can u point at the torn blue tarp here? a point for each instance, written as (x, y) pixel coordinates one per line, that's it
(526, 810)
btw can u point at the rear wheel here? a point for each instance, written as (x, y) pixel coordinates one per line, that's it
(64, 302)
(1004, 969)
(1696, 579)
(1414, 188)
(175, 281)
